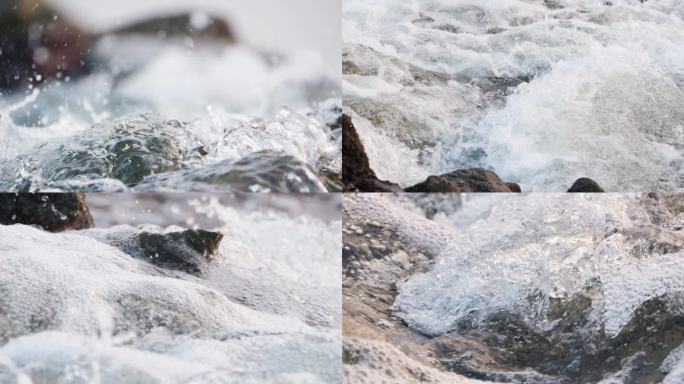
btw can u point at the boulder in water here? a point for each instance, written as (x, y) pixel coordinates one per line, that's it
(126, 149)
(585, 185)
(264, 171)
(514, 187)
(467, 180)
(357, 174)
(38, 43)
(189, 251)
(54, 212)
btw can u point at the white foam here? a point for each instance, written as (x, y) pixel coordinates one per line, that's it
(77, 310)
(180, 82)
(605, 99)
(515, 253)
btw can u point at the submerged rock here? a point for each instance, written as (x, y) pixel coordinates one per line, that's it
(63, 281)
(357, 174)
(189, 250)
(54, 212)
(264, 171)
(575, 349)
(468, 180)
(126, 150)
(585, 185)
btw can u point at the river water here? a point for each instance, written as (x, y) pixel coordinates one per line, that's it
(542, 92)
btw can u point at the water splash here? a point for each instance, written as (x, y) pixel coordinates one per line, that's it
(233, 102)
(540, 94)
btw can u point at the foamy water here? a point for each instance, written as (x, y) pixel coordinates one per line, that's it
(523, 255)
(77, 310)
(540, 94)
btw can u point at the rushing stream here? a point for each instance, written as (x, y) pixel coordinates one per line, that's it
(542, 92)
(547, 288)
(202, 114)
(84, 307)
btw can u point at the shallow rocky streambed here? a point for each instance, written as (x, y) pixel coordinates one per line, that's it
(539, 288)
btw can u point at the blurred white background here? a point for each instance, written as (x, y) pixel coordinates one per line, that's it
(282, 25)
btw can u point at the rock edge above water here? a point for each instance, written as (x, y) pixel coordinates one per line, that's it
(358, 176)
(53, 212)
(190, 250)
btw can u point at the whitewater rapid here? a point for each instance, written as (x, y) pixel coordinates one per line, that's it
(498, 260)
(75, 309)
(541, 92)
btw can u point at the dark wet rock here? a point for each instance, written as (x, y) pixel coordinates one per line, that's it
(264, 171)
(192, 251)
(576, 349)
(189, 251)
(585, 185)
(54, 212)
(38, 43)
(357, 174)
(435, 184)
(468, 180)
(513, 187)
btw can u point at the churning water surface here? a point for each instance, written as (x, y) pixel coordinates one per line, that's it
(202, 114)
(540, 91)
